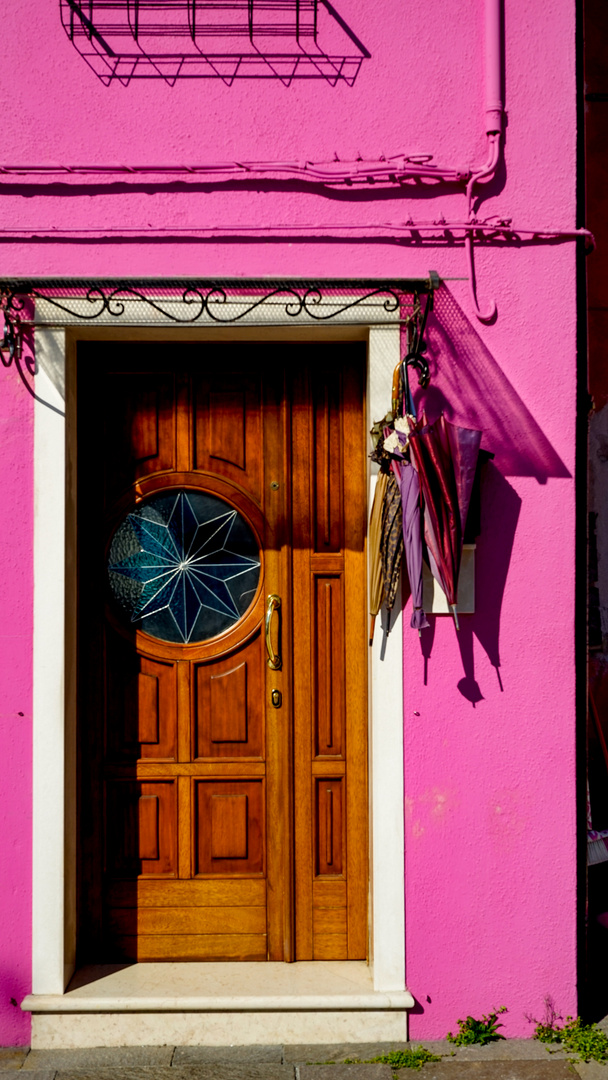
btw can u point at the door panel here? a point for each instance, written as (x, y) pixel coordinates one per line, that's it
(229, 426)
(141, 419)
(229, 800)
(327, 469)
(141, 828)
(141, 714)
(230, 704)
(229, 817)
(328, 609)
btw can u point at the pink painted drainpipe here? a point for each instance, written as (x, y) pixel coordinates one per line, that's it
(494, 121)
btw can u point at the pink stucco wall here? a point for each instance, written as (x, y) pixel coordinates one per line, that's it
(489, 732)
(490, 848)
(16, 495)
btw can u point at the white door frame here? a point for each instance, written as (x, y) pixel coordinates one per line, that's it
(54, 721)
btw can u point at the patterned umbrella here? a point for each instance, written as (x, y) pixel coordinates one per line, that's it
(376, 584)
(445, 457)
(391, 540)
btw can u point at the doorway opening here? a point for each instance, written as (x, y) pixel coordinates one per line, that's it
(222, 668)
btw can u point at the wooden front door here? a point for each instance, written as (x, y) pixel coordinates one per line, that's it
(221, 524)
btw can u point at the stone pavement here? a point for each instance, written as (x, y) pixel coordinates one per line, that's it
(512, 1059)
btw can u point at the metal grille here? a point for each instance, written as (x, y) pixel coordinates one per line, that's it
(212, 303)
(35, 304)
(122, 40)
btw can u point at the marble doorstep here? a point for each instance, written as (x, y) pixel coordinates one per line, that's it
(197, 1028)
(219, 1004)
(222, 987)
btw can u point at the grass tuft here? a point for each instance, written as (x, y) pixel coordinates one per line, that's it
(411, 1058)
(480, 1032)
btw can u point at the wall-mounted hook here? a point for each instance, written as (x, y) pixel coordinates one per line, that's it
(483, 316)
(484, 172)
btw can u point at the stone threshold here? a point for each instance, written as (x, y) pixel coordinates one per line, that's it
(219, 1004)
(306, 986)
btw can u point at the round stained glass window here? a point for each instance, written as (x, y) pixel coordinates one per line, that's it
(183, 566)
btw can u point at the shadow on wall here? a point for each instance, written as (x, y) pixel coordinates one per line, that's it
(501, 505)
(471, 389)
(14, 986)
(468, 385)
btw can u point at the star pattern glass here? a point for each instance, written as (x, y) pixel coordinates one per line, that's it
(183, 566)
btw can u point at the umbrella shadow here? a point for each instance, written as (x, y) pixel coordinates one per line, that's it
(501, 507)
(470, 388)
(468, 685)
(427, 637)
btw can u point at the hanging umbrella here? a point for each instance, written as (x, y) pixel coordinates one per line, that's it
(391, 540)
(445, 457)
(376, 584)
(412, 541)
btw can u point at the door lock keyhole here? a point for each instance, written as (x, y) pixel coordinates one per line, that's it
(277, 698)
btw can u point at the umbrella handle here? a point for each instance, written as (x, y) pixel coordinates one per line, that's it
(395, 391)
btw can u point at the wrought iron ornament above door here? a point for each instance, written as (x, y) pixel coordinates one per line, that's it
(213, 39)
(42, 303)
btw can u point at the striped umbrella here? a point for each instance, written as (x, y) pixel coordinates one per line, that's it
(376, 583)
(391, 540)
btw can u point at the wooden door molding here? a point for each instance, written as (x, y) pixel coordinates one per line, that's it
(54, 724)
(190, 752)
(330, 672)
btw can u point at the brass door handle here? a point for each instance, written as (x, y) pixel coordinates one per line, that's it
(274, 604)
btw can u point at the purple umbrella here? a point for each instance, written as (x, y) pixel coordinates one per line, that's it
(445, 457)
(412, 540)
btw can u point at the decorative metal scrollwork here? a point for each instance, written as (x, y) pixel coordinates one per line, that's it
(11, 352)
(215, 303)
(29, 305)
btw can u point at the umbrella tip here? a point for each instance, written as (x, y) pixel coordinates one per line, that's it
(455, 614)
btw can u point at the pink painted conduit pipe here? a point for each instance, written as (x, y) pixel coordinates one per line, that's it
(494, 72)
(398, 169)
(494, 122)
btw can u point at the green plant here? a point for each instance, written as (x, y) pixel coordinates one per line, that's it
(411, 1058)
(478, 1031)
(546, 1031)
(575, 1037)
